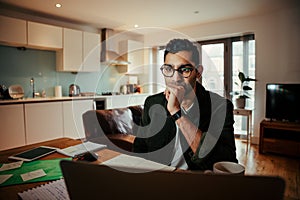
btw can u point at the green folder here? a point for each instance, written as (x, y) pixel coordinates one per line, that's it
(50, 167)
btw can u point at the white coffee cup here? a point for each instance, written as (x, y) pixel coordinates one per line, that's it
(226, 167)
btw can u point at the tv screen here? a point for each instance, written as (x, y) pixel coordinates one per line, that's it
(283, 102)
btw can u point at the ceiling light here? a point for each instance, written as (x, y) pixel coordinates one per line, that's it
(136, 26)
(58, 5)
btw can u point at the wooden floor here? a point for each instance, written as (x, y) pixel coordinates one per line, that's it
(270, 164)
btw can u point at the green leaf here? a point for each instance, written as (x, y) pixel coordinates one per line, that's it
(246, 87)
(250, 79)
(242, 77)
(234, 93)
(244, 96)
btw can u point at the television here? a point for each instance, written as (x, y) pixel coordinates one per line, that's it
(283, 102)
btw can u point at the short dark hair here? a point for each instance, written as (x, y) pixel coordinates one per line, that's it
(176, 45)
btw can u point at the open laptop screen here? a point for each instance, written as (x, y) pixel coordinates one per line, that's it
(90, 181)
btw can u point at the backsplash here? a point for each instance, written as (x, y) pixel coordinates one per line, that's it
(18, 66)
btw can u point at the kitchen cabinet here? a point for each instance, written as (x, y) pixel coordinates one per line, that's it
(44, 121)
(44, 36)
(13, 31)
(79, 53)
(12, 132)
(133, 51)
(70, 57)
(137, 99)
(91, 52)
(76, 51)
(72, 117)
(121, 101)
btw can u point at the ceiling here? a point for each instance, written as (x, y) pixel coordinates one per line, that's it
(124, 14)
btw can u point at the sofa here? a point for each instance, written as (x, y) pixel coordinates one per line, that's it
(114, 127)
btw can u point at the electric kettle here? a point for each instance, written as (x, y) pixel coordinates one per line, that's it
(74, 90)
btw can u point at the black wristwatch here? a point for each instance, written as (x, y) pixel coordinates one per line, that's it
(176, 116)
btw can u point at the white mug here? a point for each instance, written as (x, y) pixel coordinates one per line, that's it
(226, 167)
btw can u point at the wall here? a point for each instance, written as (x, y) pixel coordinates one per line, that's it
(277, 47)
(19, 66)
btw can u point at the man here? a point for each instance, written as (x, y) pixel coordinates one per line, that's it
(186, 126)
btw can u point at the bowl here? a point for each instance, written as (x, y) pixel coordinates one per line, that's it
(16, 91)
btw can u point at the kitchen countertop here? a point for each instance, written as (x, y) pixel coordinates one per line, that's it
(64, 98)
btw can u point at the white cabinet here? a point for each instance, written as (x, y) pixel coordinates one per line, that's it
(138, 99)
(80, 53)
(12, 132)
(13, 31)
(70, 57)
(44, 36)
(133, 51)
(91, 52)
(44, 121)
(76, 51)
(122, 101)
(72, 117)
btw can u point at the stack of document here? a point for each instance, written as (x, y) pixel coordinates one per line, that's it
(53, 190)
(81, 148)
(135, 164)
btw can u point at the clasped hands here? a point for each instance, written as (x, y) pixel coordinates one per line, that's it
(174, 94)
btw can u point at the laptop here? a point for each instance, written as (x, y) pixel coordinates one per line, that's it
(90, 181)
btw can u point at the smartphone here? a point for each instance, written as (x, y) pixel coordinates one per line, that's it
(33, 154)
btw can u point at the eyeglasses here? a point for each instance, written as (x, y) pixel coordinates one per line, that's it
(185, 70)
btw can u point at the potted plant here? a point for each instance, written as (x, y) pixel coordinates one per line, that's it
(242, 94)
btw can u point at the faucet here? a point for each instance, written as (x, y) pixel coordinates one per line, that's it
(32, 85)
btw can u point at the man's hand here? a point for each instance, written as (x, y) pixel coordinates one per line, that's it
(174, 94)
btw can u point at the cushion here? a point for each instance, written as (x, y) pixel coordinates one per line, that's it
(136, 113)
(115, 120)
(98, 123)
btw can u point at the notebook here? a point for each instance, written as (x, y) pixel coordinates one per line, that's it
(90, 181)
(135, 164)
(81, 148)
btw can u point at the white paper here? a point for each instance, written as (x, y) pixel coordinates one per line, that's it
(81, 148)
(33, 174)
(9, 166)
(136, 163)
(4, 177)
(53, 190)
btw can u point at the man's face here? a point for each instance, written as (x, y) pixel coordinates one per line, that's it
(177, 60)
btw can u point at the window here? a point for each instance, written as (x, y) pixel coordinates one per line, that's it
(223, 59)
(213, 60)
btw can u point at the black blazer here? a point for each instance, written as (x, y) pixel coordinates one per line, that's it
(212, 114)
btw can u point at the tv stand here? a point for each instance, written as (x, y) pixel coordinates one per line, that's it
(280, 137)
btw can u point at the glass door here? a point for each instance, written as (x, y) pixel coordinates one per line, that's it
(213, 60)
(222, 60)
(243, 60)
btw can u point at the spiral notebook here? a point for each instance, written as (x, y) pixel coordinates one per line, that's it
(53, 190)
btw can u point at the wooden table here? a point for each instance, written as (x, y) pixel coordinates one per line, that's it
(11, 192)
(248, 114)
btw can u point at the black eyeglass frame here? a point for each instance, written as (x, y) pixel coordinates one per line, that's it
(179, 70)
